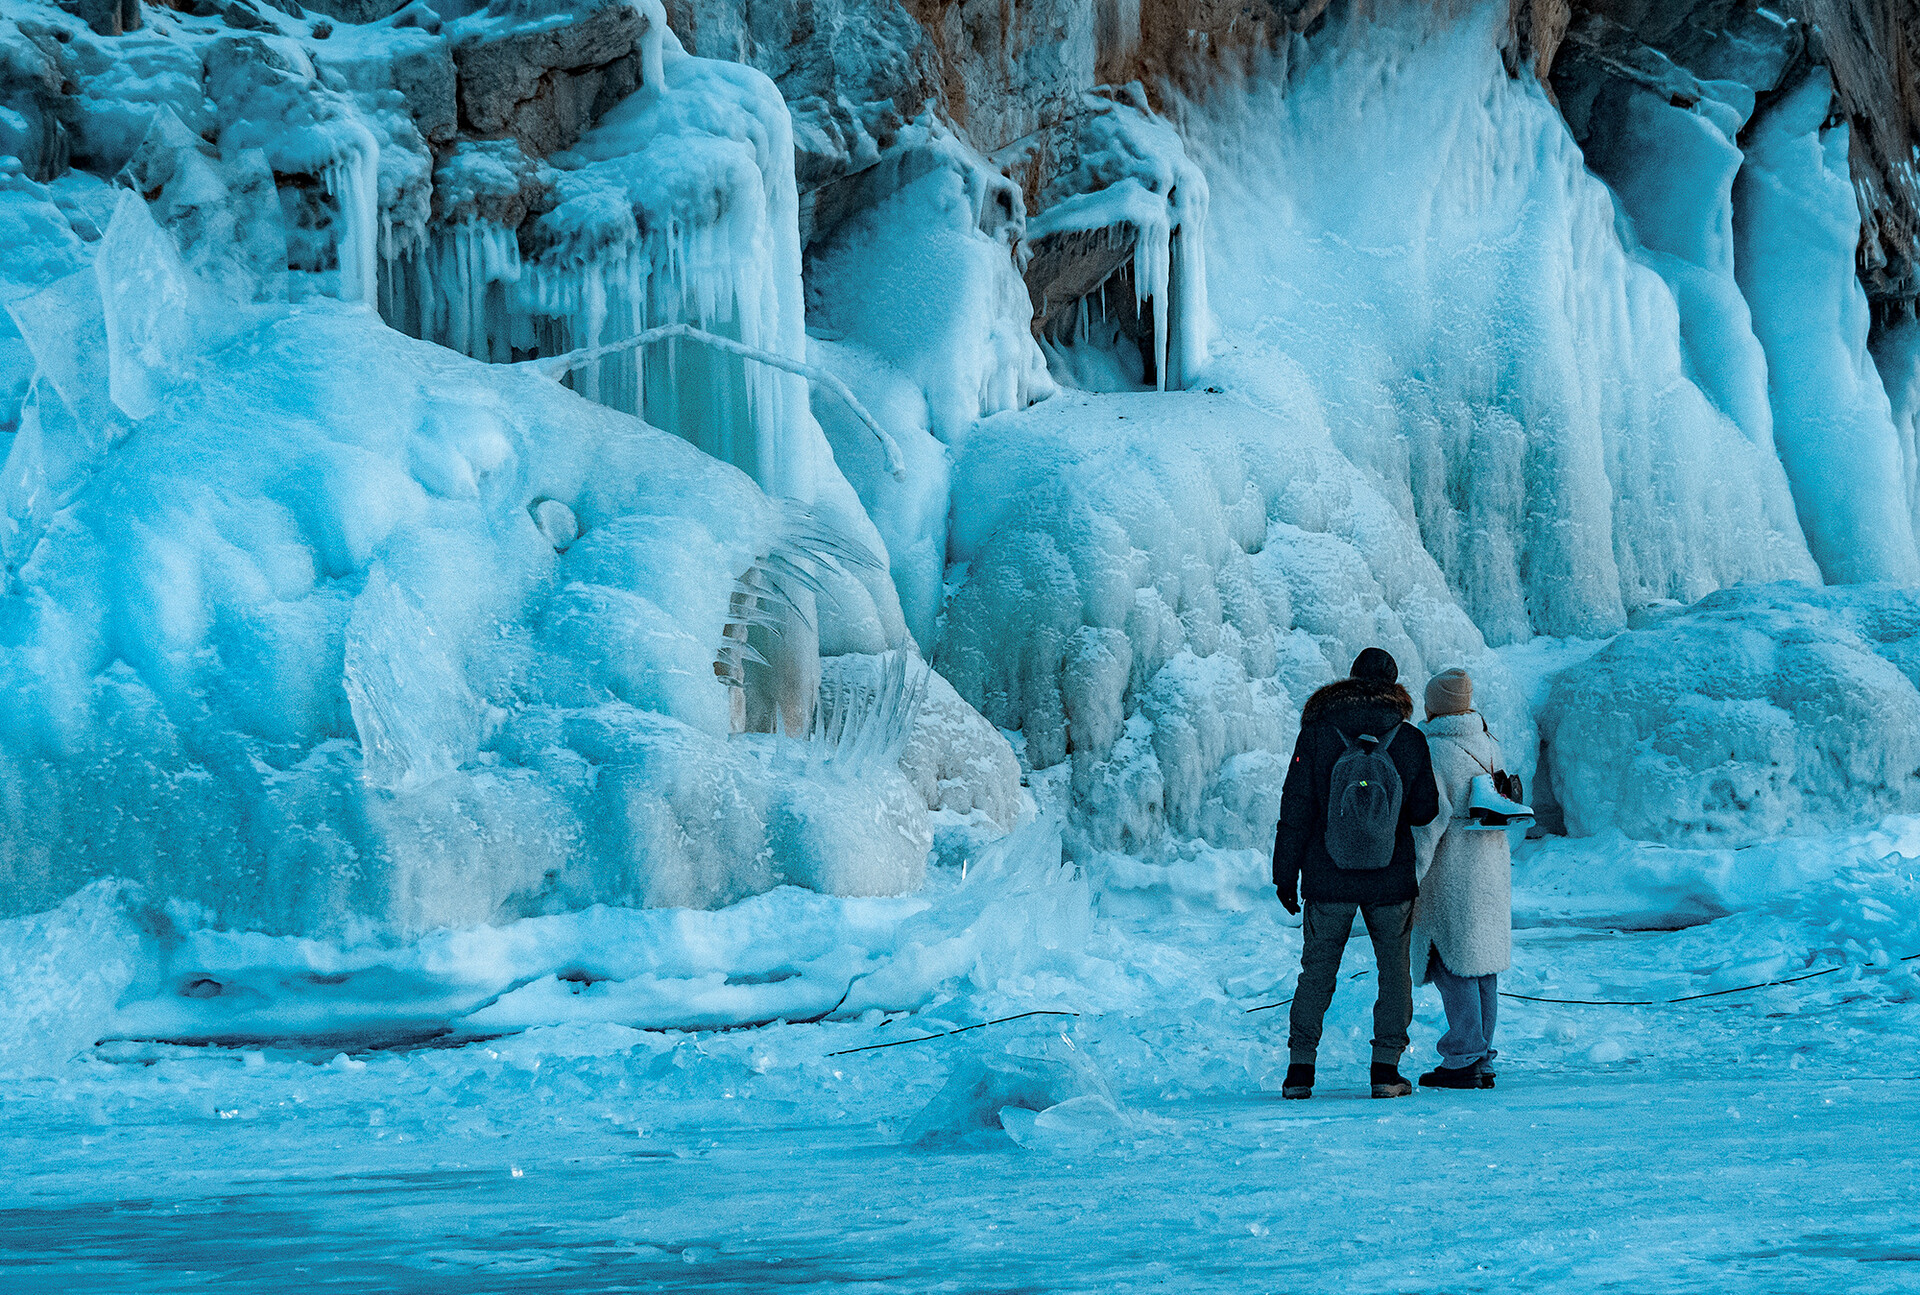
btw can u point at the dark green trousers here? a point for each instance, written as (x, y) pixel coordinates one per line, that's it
(1324, 929)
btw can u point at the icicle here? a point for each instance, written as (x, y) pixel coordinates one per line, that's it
(354, 183)
(861, 729)
(461, 302)
(653, 38)
(592, 314)
(1192, 327)
(559, 366)
(459, 277)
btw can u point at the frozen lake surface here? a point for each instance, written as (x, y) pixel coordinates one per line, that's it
(1762, 1141)
(1751, 1182)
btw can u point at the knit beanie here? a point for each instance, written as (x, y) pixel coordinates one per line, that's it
(1449, 693)
(1377, 664)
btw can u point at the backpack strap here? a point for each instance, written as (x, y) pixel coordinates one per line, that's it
(1379, 743)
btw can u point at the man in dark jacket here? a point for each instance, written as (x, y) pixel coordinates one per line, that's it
(1369, 702)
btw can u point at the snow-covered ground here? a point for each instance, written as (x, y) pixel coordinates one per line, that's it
(1764, 1141)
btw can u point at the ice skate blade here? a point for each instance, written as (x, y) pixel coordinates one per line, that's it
(1496, 825)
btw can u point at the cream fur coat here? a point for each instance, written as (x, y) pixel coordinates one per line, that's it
(1465, 908)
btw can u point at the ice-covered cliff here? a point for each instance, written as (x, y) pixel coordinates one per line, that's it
(962, 396)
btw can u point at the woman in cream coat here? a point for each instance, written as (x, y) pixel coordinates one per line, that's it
(1463, 919)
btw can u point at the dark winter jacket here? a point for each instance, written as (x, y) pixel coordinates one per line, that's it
(1353, 707)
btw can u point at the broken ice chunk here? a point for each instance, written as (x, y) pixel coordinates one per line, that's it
(147, 300)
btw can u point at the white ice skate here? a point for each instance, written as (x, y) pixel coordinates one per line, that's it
(1489, 811)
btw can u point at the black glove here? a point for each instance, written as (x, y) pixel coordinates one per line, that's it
(1287, 899)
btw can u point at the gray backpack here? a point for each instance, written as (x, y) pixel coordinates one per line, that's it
(1363, 804)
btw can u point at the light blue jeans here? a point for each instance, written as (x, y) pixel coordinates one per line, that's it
(1472, 1003)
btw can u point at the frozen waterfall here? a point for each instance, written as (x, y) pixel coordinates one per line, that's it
(1459, 301)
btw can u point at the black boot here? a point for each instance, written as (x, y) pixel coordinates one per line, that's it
(1387, 1081)
(1453, 1077)
(1298, 1083)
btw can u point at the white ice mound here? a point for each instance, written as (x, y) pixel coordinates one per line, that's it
(301, 644)
(1153, 584)
(1759, 710)
(925, 279)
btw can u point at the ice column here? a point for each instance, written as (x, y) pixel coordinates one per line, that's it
(1896, 354)
(1457, 305)
(354, 182)
(1673, 170)
(1796, 225)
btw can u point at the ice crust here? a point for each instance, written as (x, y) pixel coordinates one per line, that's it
(160, 968)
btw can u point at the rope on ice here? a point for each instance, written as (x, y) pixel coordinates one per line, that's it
(927, 1038)
(1684, 998)
(1638, 1002)
(558, 366)
(1264, 1007)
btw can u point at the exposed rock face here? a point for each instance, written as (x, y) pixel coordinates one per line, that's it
(30, 89)
(415, 62)
(108, 17)
(359, 11)
(1535, 29)
(1184, 42)
(1872, 48)
(545, 82)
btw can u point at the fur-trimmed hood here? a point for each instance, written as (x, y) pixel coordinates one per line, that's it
(1344, 693)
